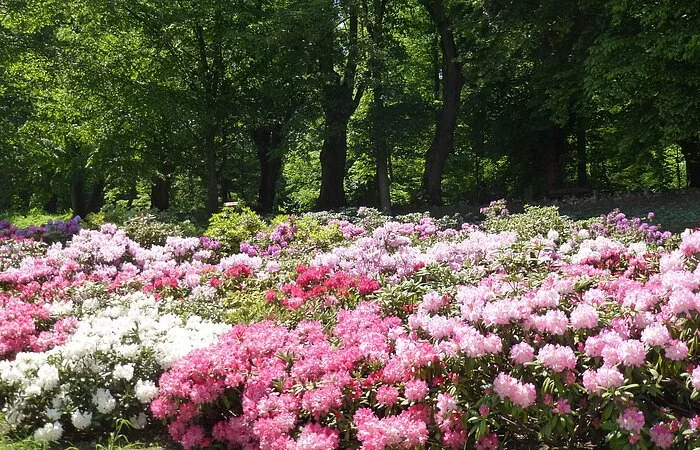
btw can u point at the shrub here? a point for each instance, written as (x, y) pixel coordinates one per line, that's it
(148, 227)
(535, 221)
(102, 372)
(234, 225)
(52, 231)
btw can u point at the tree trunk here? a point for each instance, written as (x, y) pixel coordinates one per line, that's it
(210, 175)
(160, 192)
(581, 158)
(691, 153)
(338, 106)
(378, 126)
(97, 196)
(77, 191)
(333, 159)
(268, 141)
(51, 206)
(381, 149)
(553, 151)
(131, 194)
(452, 81)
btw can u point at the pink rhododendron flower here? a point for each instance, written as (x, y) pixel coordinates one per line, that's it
(406, 430)
(317, 437)
(656, 334)
(631, 420)
(522, 353)
(387, 395)
(584, 316)
(603, 378)
(695, 378)
(562, 407)
(676, 350)
(416, 390)
(557, 357)
(507, 387)
(661, 435)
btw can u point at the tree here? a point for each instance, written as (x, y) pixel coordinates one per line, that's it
(452, 81)
(341, 92)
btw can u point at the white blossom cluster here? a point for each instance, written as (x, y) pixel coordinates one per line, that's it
(106, 370)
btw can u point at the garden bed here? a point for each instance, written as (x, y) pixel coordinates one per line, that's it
(355, 331)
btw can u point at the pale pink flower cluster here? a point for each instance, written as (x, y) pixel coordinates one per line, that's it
(604, 378)
(632, 420)
(522, 353)
(695, 378)
(661, 435)
(557, 357)
(584, 316)
(521, 394)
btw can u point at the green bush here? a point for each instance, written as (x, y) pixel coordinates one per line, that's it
(535, 221)
(148, 227)
(234, 225)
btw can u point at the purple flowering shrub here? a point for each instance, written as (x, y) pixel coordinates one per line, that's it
(632, 229)
(52, 231)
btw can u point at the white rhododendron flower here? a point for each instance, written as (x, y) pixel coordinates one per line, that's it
(81, 420)
(50, 432)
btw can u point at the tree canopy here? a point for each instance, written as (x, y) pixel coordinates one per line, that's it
(303, 104)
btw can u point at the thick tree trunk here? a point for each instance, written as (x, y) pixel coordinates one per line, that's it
(333, 159)
(443, 143)
(554, 149)
(378, 131)
(691, 153)
(581, 158)
(77, 191)
(160, 192)
(338, 106)
(97, 196)
(51, 206)
(268, 141)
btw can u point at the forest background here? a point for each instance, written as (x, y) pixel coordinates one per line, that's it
(293, 105)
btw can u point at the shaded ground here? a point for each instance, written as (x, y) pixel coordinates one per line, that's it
(675, 211)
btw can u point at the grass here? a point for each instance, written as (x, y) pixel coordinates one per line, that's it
(116, 440)
(34, 217)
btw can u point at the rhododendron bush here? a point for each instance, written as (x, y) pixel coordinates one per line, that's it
(522, 330)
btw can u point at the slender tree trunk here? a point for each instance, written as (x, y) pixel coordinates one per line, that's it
(131, 194)
(691, 153)
(97, 196)
(160, 192)
(381, 149)
(452, 82)
(581, 158)
(77, 191)
(268, 141)
(210, 175)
